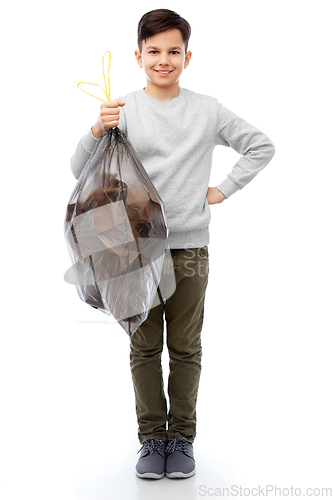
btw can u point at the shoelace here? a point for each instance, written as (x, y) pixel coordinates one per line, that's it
(178, 444)
(151, 445)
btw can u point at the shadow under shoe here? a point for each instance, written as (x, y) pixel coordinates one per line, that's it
(151, 463)
(180, 461)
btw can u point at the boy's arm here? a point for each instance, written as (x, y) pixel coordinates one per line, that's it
(256, 149)
(82, 154)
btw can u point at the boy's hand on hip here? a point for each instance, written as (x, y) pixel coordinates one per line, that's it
(108, 118)
(214, 196)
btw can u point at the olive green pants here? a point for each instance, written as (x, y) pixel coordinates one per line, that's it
(182, 314)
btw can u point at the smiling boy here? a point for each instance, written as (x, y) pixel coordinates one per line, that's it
(174, 132)
(163, 59)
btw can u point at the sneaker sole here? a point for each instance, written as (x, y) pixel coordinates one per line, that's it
(150, 475)
(175, 475)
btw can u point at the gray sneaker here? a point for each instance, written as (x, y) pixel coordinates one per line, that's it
(179, 459)
(151, 463)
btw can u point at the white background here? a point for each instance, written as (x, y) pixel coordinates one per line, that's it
(68, 424)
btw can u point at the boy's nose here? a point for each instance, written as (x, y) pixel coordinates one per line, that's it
(164, 60)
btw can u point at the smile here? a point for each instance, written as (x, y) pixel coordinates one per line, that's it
(163, 72)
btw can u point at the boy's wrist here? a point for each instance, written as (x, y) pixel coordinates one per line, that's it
(96, 131)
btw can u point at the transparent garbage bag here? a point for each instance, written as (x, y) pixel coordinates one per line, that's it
(116, 232)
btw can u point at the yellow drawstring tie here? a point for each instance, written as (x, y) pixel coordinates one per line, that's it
(107, 90)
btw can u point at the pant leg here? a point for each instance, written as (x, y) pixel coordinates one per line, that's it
(184, 312)
(146, 347)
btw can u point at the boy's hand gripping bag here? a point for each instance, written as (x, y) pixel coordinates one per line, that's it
(116, 231)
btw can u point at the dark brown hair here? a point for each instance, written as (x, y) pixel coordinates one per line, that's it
(159, 20)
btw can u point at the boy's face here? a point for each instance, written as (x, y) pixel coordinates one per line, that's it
(164, 52)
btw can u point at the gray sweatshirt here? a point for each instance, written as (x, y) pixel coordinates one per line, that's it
(175, 141)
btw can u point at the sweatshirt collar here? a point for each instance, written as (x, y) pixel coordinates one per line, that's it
(163, 105)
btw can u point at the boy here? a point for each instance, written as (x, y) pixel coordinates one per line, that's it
(174, 132)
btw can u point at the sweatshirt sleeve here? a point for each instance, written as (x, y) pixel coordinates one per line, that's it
(82, 153)
(256, 149)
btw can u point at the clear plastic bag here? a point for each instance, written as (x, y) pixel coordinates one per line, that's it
(116, 232)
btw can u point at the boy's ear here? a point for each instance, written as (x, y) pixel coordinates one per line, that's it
(139, 58)
(188, 56)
